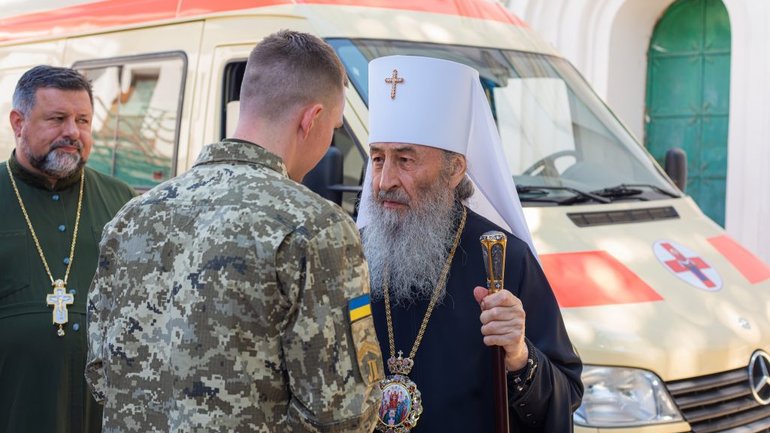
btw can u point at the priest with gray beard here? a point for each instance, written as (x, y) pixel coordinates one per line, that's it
(436, 180)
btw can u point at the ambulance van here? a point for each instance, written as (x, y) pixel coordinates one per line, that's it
(668, 313)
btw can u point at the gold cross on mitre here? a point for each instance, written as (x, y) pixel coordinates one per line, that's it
(394, 80)
(59, 300)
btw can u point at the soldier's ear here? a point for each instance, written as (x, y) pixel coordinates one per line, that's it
(309, 116)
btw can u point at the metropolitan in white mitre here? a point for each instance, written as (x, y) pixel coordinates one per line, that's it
(436, 182)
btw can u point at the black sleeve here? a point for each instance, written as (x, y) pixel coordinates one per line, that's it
(548, 401)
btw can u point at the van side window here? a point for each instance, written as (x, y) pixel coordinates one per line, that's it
(337, 177)
(137, 103)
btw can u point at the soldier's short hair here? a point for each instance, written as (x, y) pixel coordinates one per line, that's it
(288, 69)
(45, 76)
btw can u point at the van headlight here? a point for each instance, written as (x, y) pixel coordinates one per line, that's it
(624, 397)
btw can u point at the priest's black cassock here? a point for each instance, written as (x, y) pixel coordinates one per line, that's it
(452, 368)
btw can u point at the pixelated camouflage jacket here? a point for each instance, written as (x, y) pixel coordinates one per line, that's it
(220, 304)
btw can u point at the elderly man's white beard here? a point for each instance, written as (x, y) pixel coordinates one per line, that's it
(412, 245)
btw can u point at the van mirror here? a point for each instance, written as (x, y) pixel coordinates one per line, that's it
(326, 178)
(676, 167)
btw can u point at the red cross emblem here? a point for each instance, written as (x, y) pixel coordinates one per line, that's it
(687, 265)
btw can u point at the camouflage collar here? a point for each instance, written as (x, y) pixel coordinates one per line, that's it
(233, 150)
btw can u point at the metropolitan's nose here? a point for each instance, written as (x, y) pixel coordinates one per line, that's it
(388, 176)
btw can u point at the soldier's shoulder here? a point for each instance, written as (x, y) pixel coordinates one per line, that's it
(309, 210)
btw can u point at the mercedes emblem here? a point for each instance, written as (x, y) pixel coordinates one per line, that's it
(759, 376)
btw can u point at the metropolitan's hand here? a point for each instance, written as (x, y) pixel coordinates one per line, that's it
(502, 319)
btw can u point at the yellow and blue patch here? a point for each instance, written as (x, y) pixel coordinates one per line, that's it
(359, 307)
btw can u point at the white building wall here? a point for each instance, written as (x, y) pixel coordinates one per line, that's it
(607, 40)
(748, 158)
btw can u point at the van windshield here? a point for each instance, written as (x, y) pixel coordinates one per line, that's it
(559, 139)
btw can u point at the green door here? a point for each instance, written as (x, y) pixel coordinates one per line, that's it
(688, 96)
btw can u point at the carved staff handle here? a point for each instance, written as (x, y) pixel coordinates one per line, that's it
(493, 249)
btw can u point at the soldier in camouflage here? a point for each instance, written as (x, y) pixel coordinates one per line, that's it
(232, 298)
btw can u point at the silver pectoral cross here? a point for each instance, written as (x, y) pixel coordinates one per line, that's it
(59, 300)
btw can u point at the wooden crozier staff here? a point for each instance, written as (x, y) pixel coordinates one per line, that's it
(493, 248)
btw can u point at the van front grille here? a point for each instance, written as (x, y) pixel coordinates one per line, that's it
(720, 402)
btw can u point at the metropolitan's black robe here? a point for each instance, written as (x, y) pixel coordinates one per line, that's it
(452, 367)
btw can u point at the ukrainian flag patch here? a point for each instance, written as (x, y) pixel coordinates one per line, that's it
(359, 307)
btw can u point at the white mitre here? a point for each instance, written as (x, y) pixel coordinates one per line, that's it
(439, 103)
